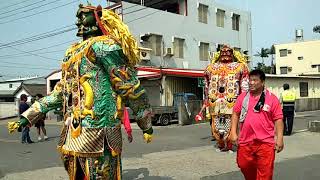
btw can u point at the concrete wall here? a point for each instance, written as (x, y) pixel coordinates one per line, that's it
(153, 91)
(8, 109)
(309, 103)
(308, 50)
(52, 77)
(171, 25)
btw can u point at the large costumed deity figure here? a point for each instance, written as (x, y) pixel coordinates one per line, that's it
(98, 80)
(226, 77)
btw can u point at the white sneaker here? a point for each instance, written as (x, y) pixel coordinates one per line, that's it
(45, 137)
(39, 138)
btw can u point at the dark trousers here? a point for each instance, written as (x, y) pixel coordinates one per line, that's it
(26, 135)
(288, 117)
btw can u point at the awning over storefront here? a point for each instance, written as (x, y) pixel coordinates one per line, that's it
(154, 72)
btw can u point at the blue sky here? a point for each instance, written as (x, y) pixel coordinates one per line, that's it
(273, 21)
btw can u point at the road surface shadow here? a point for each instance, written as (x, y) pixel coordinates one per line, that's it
(141, 173)
(305, 168)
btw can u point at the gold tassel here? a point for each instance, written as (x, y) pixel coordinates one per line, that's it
(12, 126)
(118, 169)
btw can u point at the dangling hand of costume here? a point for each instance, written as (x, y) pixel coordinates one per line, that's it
(13, 126)
(147, 135)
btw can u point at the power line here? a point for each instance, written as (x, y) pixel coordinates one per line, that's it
(38, 12)
(20, 67)
(22, 55)
(27, 40)
(24, 64)
(28, 9)
(13, 10)
(31, 53)
(40, 49)
(14, 4)
(143, 16)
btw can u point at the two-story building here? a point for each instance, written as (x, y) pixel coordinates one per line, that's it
(298, 58)
(298, 64)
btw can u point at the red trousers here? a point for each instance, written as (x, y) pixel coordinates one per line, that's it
(256, 160)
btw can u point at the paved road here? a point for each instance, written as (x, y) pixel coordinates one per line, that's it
(305, 168)
(16, 157)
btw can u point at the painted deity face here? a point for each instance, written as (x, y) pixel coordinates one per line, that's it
(86, 22)
(226, 54)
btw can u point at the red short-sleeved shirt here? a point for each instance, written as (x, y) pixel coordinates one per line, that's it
(259, 125)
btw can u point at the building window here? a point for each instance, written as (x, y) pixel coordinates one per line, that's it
(300, 58)
(220, 17)
(283, 70)
(204, 51)
(156, 45)
(318, 68)
(303, 89)
(289, 51)
(178, 47)
(203, 13)
(314, 66)
(283, 52)
(235, 22)
(219, 47)
(10, 85)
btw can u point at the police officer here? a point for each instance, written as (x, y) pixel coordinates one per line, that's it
(288, 99)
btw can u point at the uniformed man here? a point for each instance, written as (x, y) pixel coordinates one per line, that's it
(288, 99)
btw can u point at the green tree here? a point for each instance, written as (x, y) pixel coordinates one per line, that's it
(272, 52)
(316, 29)
(264, 68)
(263, 53)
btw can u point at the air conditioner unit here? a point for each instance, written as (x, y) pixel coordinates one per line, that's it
(169, 51)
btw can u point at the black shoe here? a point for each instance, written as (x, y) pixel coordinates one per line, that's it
(30, 142)
(286, 134)
(23, 142)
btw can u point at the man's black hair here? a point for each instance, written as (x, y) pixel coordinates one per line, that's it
(23, 97)
(258, 72)
(286, 86)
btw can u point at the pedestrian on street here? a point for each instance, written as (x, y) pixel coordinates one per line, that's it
(22, 108)
(288, 99)
(260, 115)
(40, 125)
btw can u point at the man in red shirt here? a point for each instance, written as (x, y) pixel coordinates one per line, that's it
(260, 115)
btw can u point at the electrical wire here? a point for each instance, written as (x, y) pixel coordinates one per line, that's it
(40, 49)
(40, 12)
(15, 4)
(17, 42)
(27, 10)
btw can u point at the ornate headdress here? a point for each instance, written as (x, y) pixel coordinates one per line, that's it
(110, 24)
(236, 54)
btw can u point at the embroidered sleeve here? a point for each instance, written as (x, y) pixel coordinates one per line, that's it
(38, 109)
